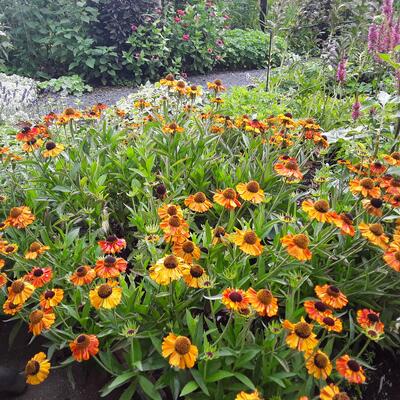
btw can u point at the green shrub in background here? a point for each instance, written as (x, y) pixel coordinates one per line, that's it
(5, 45)
(244, 14)
(249, 49)
(73, 84)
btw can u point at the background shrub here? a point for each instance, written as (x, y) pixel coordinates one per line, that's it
(249, 49)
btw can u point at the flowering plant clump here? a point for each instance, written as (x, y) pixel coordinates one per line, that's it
(199, 255)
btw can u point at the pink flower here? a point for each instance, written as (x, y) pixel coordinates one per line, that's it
(210, 50)
(134, 28)
(180, 12)
(177, 20)
(341, 70)
(185, 37)
(356, 110)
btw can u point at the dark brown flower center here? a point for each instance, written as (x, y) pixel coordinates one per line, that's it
(264, 296)
(196, 271)
(372, 317)
(81, 271)
(36, 316)
(302, 330)
(353, 365)
(229, 194)
(188, 247)
(395, 182)
(50, 145)
(292, 165)
(397, 255)
(83, 341)
(174, 221)
(218, 82)
(49, 294)
(9, 249)
(376, 229)
(109, 261)
(320, 306)
(172, 210)
(219, 231)
(367, 183)
(199, 197)
(169, 77)
(161, 189)
(104, 291)
(38, 272)
(301, 241)
(32, 367)
(341, 396)
(69, 111)
(111, 239)
(17, 287)
(250, 238)
(396, 155)
(328, 321)
(182, 345)
(333, 291)
(181, 84)
(321, 361)
(377, 203)
(236, 297)
(170, 262)
(253, 187)
(35, 246)
(321, 206)
(15, 212)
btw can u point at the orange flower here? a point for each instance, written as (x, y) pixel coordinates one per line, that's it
(187, 250)
(377, 168)
(38, 277)
(250, 191)
(110, 267)
(175, 228)
(167, 270)
(219, 235)
(198, 202)
(195, 276)
(288, 167)
(248, 241)
(248, 396)
(35, 250)
(301, 336)
(51, 298)
(297, 246)
(169, 210)
(331, 296)
(40, 320)
(2, 263)
(318, 210)
(394, 187)
(227, 198)
(20, 217)
(374, 233)
(10, 308)
(366, 187)
(235, 299)
(8, 248)
(263, 302)
(350, 369)
(180, 351)
(345, 223)
(83, 275)
(370, 321)
(112, 245)
(393, 159)
(217, 86)
(331, 323)
(332, 392)
(317, 310)
(84, 346)
(318, 364)
(373, 206)
(52, 149)
(172, 128)
(3, 279)
(20, 291)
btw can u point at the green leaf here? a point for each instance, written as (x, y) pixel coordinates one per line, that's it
(121, 379)
(90, 62)
(245, 380)
(199, 379)
(189, 388)
(219, 375)
(148, 388)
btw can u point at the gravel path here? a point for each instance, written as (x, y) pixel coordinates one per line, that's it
(111, 94)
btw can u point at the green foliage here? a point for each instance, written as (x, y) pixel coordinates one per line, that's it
(249, 49)
(72, 84)
(243, 14)
(5, 45)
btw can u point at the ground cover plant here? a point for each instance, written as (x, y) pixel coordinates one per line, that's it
(194, 254)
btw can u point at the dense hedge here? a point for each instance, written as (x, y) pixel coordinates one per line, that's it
(124, 40)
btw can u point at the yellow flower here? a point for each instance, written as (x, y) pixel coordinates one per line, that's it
(37, 369)
(108, 295)
(248, 241)
(180, 351)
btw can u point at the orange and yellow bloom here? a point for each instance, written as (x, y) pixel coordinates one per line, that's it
(180, 351)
